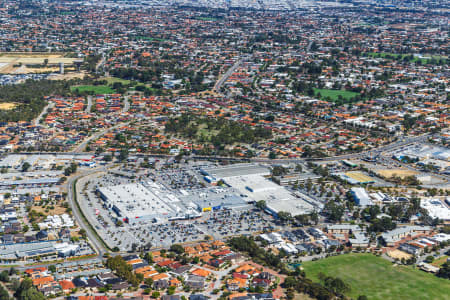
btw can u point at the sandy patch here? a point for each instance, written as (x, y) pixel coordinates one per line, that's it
(7, 105)
(402, 173)
(399, 254)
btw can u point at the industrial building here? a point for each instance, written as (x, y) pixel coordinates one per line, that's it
(23, 251)
(224, 172)
(214, 199)
(135, 201)
(436, 209)
(361, 197)
(150, 201)
(249, 181)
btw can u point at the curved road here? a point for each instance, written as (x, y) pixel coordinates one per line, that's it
(71, 191)
(43, 112)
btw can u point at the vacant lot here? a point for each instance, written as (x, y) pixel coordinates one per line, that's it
(399, 254)
(7, 106)
(359, 176)
(402, 173)
(378, 278)
(334, 94)
(96, 89)
(17, 62)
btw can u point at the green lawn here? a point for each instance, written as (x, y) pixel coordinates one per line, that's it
(334, 94)
(112, 80)
(378, 278)
(96, 89)
(207, 19)
(148, 38)
(401, 56)
(440, 261)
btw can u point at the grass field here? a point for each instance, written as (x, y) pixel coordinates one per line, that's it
(96, 89)
(112, 80)
(207, 19)
(440, 261)
(401, 56)
(378, 278)
(334, 94)
(148, 38)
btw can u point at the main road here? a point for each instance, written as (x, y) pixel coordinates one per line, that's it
(78, 214)
(80, 148)
(43, 112)
(227, 74)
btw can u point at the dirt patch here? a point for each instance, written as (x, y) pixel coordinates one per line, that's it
(68, 76)
(302, 297)
(57, 209)
(22, 63)
(399, 254)
(402, 173)
(7, 105)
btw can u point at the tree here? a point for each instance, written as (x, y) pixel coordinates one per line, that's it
(4, 277)
(177, 248)
(284, 216)
(302, 219)
(27, 291)
(429, 259)
(25, 166)
(52, 268)
(314, 216)
(123, 155)
(444, 271)
(156, 295)
(148, 282)
(261, 204)
(337, 285)
(334, 211)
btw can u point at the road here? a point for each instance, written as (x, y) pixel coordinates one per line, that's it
(80, 148)
(89, 105)
(100, 62)
(126, 104)
(227, 74)
(44, 111)
(98, 245)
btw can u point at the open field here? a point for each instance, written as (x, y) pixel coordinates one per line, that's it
(399, 254)
(440, 261)
(112, 80)
(402, 173)
(378, 278)
(334, 94)
(402, 56)
(96, 89)
(67, 76)
(7, 105)
(9, 62)
(359, 176)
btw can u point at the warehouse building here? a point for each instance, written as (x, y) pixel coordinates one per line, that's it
(361, 197)
(249, 181)
(225, 172)
(136, 201)
(214, 199)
